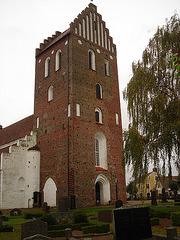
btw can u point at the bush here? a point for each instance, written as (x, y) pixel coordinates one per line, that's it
(79, 226)
(56, 233)
(99, 228)
(175, 216)
(32, 215)
(154, 221)
(6, 229)
(59, 227)
(80, 217)
(49, 219)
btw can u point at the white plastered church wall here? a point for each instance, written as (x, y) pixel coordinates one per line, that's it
(20, 172)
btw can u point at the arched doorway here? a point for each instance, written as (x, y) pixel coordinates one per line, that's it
(102, 190)
(50, 192)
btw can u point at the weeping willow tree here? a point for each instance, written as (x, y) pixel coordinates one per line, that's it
(153, 100)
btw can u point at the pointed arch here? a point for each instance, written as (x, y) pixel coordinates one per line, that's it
(100, 150)
(92, 59)
(98, 91)
(102, 188)
(50, 93)
(47, 66)
(58, 60)
(50, 192)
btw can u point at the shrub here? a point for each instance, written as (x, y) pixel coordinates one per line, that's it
(80, 217)
(154, 221)
(59, 227)
(175, 216)
(56, 233)
(99, 228)
(49, 219)
(79, 226)
(32, 215)
(6, 229)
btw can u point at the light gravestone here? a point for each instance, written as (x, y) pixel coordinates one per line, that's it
(34, 227)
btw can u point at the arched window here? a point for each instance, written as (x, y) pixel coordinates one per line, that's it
(50, 93)
(47, 66)
(117, 118)
(98, 91)
(98, 115)
(106, 66)
(92, 62)
(50, 191)
(100, 150)
(58, 60)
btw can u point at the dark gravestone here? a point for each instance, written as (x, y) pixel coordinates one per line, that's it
(63, 204)
(164, 199)
(105, 216)
(4, 218)
(45, 207)
(153, 198)
(73, 202)
(34, 227)
(37, 196)
(15, 212)
(118, 203)
(0, 223)
(132, 223)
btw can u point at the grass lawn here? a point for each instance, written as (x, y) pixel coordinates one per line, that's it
(92, 211)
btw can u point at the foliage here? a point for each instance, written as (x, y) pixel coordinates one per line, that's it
(32, 215)
(56, 233)
(153, 97)
(49, 219)
(99, 228)
(6, 229)
(154, 221)
(80, 217)
(175, 218)
(173, 185)
(131, 188)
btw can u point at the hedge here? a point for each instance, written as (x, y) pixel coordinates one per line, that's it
(56, 233)
(175, 216)
(73, 226)
(99, 228)
(6, 229)
(32, 215)
(154, 221)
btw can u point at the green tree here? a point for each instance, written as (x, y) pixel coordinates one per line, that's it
(173, 185)
(153, 98)
(131, 188)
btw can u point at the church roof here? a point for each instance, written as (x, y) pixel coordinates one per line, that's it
(16, 130)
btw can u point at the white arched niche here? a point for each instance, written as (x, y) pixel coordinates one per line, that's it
(50, 192)
(103, 196)
(100, 150)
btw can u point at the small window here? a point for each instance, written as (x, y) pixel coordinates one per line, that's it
(117, 118)
(69, 110)
(50, 93)
(106, 66)
(77, 110)
(98, 91)
(147, 186)
(98, 115)
(47, 66)
(58, 60)
(91, 56)
(37, 122)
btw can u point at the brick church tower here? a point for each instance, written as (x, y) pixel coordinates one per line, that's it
(77, 114)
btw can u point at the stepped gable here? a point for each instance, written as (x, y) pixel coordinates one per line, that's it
(89, 25)
(16, 131)
(50, 41)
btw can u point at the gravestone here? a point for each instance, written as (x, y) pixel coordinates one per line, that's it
(0, 223)
(4, 218)
(45, 207)
(105, 216)
(132, 223)
(34, 227)
(164, 199)
(153, 198)
(118, 203)
(63, 204)
(15, 212)
(38, 237)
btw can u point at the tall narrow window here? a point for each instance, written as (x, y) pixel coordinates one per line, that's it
(97, 152)
(98, 91)
(117, 118)
(50, 93)
(37, 122)
(58, 60)
(106, 66)
(69, 110)
(92, 61)
(47, 66)
(77, 110)
(98, 115)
